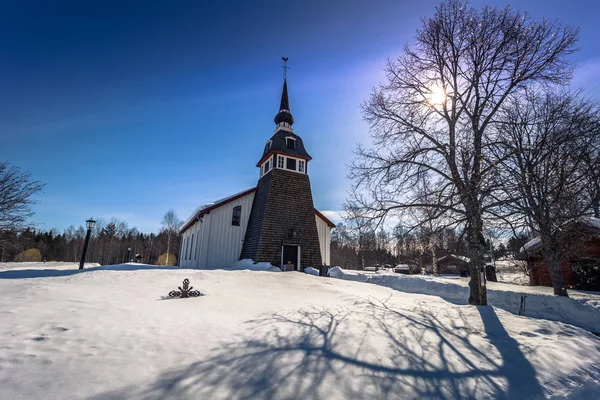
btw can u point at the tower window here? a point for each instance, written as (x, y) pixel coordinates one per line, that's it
(280, 162)
(237, 215)
(301, 166)
(291, 164)
(290, 142)
(268, 146)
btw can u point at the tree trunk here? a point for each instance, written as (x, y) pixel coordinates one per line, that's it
(476, 241)
(555, 269)
(596, 207)
(168, 248)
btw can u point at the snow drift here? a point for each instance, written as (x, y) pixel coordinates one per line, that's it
(248, 264)
(579, 312)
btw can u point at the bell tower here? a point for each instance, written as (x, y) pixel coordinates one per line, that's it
(282, 228)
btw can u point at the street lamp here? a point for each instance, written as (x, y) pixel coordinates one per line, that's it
(90, 225)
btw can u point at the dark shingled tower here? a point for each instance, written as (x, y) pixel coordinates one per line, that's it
(282, 227)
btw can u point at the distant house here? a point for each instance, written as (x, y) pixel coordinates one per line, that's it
(453, 264)
(580, 242)
(274, 222)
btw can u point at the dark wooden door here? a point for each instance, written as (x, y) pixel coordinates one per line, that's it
(290, 257)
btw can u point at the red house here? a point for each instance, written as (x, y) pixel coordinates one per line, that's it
(580, 245)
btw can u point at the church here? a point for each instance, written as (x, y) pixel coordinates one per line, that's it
(274, 222)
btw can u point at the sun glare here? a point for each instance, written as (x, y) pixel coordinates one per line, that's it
(437, 96)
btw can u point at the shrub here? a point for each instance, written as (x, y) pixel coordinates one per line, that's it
(29, 255)
(162, 259)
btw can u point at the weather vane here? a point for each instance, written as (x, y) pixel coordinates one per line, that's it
(285, 67)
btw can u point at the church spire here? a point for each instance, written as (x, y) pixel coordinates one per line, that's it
(284, 116)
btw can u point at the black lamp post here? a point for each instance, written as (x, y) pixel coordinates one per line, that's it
(90, 225)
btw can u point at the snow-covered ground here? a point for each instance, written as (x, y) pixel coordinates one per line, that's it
(45, 265)
(109, 333)
(582, 309)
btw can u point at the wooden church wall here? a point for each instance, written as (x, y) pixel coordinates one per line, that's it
(216, 242)
(225, 241)
(324, 232)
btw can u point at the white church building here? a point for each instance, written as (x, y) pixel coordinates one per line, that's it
(274, 222)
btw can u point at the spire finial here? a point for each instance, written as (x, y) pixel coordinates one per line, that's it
(285, 67)
(284, 117)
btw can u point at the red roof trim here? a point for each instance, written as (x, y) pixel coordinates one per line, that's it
(324, 218)
(273, 152)
(217, 205)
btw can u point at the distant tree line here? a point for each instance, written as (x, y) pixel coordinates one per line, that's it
(368, 246)
(111, 242)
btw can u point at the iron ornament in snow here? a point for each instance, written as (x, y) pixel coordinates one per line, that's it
(184, 292)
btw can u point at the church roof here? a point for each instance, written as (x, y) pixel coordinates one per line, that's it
(206, 208)
(284, 114)
(279, 145)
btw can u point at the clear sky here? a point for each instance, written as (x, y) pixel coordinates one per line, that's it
(129, 108)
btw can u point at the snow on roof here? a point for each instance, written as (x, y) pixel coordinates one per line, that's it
(588, 224)
(532, 246)
(453, 257)
(212, 205)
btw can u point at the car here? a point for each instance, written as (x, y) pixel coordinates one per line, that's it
(403, 269)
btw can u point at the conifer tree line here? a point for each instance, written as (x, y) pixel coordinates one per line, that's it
(109, 243)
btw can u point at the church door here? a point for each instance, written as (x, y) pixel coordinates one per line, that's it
(290, 258)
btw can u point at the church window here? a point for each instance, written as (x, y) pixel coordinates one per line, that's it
(192, 249)
(185, 247)
(291, 164)
(189, 252)
(268, 146)
(301, 166)
(290, 142)
(237, 215)
(268, 166)
(280, 162)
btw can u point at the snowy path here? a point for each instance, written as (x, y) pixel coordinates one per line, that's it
(108, 334)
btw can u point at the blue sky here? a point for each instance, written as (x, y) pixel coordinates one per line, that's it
(127, 109)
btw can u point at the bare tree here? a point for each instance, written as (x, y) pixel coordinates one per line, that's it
(592, 179)
(170, 226)
(434, 118)
(16, 192)
(546, 140)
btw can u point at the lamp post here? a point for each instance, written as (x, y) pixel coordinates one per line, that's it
(128, 255)
(90, 225)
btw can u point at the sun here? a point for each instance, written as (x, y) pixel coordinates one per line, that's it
(436, 96)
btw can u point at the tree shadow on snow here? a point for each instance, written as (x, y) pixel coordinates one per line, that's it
(48, 273)
(370, 349)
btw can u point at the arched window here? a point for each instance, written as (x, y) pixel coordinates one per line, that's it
(193, 252)
(237, 215)
(185, 245)
(190, 245)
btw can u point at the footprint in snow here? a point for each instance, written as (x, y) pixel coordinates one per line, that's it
(528, 334)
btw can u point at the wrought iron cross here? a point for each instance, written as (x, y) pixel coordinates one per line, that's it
(184, 292)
